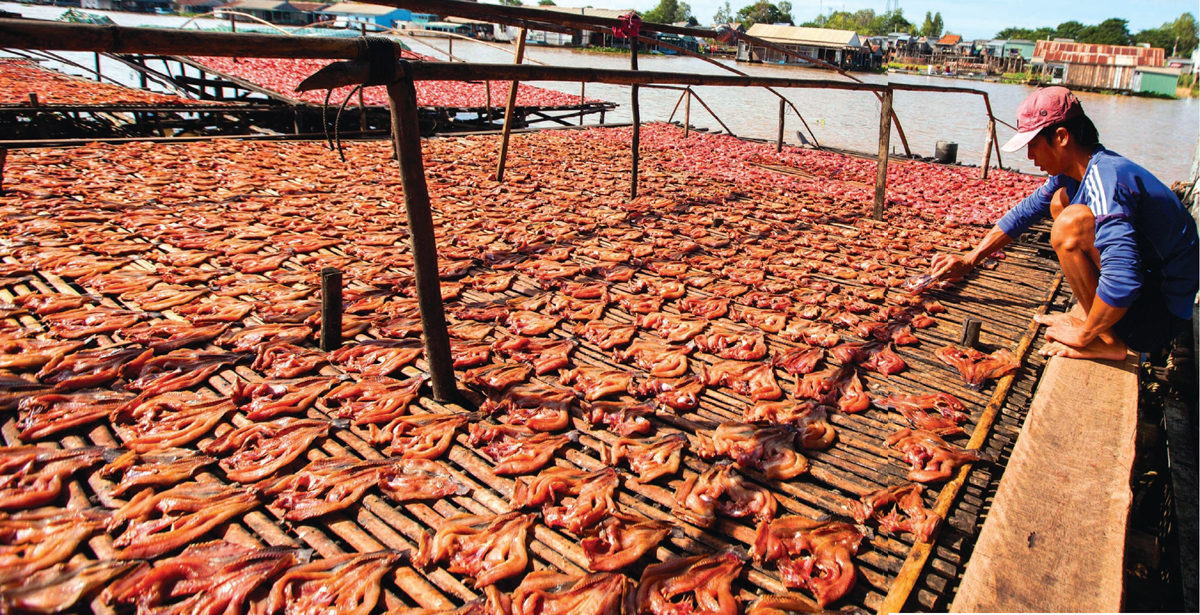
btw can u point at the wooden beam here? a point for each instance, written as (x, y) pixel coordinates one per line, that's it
(402, 100)
(779, 139)
(687, 112)
(508, 113)
(637, 120)
(885, 136)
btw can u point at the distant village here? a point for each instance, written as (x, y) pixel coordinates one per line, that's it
(1137, 69)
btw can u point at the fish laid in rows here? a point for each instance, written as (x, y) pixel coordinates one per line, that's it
(874, 356)
(932, 458)
(221, 309)
(813, 555)
(377, 357)
(544, 591)
(489, 549)
(593, 493)
(86, 322)
(332, 484)
(672, 328)
(539, 406)
(208, 578)
(622, 418)
(769, 449)
(721, 489)
(60, 587)
(374, 399)
(284, 360)
(976, 367)
(661, 360)
(497, 377)
(733, 343)
(170, 419)
(517, 449)
(250, 338)
(915, 408)
(51, 413)
(834, 386)
(168, 335)
(808, 418)
(604, 335)
(178, 370)
(679, 394)
(908, 512)
(594, 383)
(33, 541)
(425, 436)
(622, 539)
(544, 355)
(162, 468)
(274, 397)
(708, 578)
(255, 451)
(32, 476)
(347, 584)
(753, 379)
(649, 458)
(51, 303)
(160, 522)
(95, 367)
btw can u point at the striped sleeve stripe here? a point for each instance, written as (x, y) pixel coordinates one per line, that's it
(1096, 195)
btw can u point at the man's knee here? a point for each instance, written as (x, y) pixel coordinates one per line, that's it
(1074, 229)
(1058, 202)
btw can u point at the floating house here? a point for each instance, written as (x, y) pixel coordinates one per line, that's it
(1094, 67)
(839, 47)
(354, 13)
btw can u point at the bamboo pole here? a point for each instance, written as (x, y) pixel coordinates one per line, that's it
(885, 135)
(508, 114)
(687, 113)
(710, 112)
(779, 141)
(637, 120)
(987, 150)
(402, 101)
(987, 104)
(909, 572)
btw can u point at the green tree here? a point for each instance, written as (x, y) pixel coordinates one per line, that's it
(933, 26)
(511, 2)
(785, 7)
(546, 3)
(1112, 31)
(1026, 33)
(761, 11)
(1187, 34)
(892, 21)
(724, 14)
(669, 11)
(1071, 29)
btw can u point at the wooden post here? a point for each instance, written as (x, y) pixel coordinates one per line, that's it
(402, 100)
(779, 141)
(362, 111)
(450, 50)
(508, 113)
(987, 150)
(885, 135)
(331, 309)
(3, 159)
(637, 120)
(98, 75)
(232, 23)
(687, 112)
(582, 86)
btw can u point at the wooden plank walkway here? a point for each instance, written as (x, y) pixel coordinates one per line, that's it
(1054, 540)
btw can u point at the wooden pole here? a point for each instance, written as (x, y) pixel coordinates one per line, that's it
(885, 135)
(362, 111)
(710, 112)
(508, 113)
(487, 87)
(779, 141)
(582, 87)
(232, 23)
(3, 159)
(687, 112)
(676, 107)
(987, 150)
(331, 309)
(402, 100)
(98, 75)
(637, 120)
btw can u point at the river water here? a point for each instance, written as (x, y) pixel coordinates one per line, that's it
(1161, 135)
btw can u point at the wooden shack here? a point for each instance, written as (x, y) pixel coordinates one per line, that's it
(1093, 67)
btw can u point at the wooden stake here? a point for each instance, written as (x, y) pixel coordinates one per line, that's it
(779, 141)
(710, 112)
(508, 113)
(987, 150)
(582, 87)
(3, 159)
(402, 100)
(331, 309)
(687, 112)
(487, 86)
(637, 120)
(676, 107)
(885, 136)
(98, 75)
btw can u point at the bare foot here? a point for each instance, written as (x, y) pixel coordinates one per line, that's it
(1073, 318)
(1098, 350)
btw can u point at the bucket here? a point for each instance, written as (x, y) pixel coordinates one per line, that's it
(946, 152)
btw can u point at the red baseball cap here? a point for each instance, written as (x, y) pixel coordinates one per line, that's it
(1045, 107)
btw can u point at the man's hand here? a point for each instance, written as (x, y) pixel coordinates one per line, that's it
(949, 267)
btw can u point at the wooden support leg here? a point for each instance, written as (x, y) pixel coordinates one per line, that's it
(508, 113)
(3, 159)
(637, 121)
(687, 112)
(331, 309)
(402, 99)
(885, 136)
(582, 86)
(987, 150)
(779, 141)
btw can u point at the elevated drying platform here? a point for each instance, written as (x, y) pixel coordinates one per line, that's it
(1054, 540)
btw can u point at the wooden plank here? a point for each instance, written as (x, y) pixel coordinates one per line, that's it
(1054, 540)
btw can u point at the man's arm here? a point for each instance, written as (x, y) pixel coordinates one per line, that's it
(951, 267)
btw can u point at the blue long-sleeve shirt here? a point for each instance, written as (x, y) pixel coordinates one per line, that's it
(1143, 232)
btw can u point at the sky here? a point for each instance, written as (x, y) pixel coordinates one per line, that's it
(970, 18)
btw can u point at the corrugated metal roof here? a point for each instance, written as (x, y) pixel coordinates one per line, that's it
(1083, 53)
(795, 35)
(588, 11)
(950, 39)
(357, 8)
